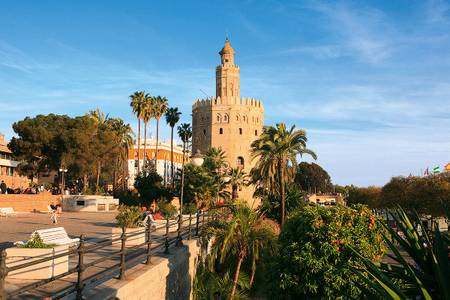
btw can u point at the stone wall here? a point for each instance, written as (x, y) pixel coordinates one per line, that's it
(169, 277)
(29, 203)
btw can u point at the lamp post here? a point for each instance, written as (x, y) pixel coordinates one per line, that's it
(63, 170)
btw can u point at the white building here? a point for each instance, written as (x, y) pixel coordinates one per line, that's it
(163, 163)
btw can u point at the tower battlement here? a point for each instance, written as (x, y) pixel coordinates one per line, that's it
(216, 101)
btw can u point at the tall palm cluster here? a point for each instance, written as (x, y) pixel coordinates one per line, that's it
(147, 107)
(276, 152)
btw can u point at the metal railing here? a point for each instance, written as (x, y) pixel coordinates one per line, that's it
(126, 255)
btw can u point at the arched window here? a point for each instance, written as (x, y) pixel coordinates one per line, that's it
(204, 131)
(256, 132)
(237, 117)
(221, 131)
(218, 117)
(225, 118)
(240, 131)
(240, 162)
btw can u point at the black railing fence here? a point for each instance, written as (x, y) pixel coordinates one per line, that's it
(125, 256)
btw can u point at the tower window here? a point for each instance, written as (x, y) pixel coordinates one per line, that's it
(240, 162)
(204, 131)
(256, 132)
(240, 131)
(221, 131)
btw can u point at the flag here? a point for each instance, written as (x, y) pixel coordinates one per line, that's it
(437, 170)
(447, 167)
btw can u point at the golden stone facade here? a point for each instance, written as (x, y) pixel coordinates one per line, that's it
(227, 120)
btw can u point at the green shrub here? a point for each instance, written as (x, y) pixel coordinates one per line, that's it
(128, 216)
(315, 259)
(189, 208)
(35, 242)
(130, 200)
(167, 209)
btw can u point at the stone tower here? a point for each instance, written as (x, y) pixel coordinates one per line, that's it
(227, 120)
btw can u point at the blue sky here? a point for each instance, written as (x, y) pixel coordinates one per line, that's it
(368, 80)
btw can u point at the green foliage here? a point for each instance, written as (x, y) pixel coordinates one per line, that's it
(199, 186)
(85, 145)
(239, 239)
(370, 196)
(167, 209)
(35, 242)
(314, 260)
(150, 187)
(128, 216)
(424, 270)
(129, 199)
(426, 195)
(189, 208)
(213, 285)
(313, 178)
(270, 203)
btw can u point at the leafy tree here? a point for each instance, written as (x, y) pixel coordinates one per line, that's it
(172, 118)
(137, 104)
(369, 196)
(314, 258)
(270, 203)
(199, 186)
(312, 178)
(150, 187)
(276, 149)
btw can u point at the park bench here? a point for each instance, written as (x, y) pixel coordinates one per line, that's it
(56, 236)
(6, 211)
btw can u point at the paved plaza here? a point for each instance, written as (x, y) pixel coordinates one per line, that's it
(91, 224)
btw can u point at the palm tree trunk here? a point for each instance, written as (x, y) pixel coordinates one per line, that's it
(283, 196)
(171, 158)
(234, 192)
(145, 145)
(156, 149)
(236, 276)
(252, 277)
(97, 182)
(85, 183)
(139, 145)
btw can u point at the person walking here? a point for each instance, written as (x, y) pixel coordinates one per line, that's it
(3, 187)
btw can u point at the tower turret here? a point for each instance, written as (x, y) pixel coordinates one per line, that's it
(227, 75)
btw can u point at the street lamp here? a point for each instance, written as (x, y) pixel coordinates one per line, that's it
(63, 170)
(197, 159)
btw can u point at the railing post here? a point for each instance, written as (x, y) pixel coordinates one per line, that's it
(203, 218)
(3, 273)
(179, 238)
(196, 223)
(123, 238)
(190, 226)
(80, 277)
(149, 241)
(166, 241)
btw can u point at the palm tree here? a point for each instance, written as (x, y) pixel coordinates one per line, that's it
(124, 140)
(238, 178)
(137, 100)
(159, 109)
(185, 134)
(172, 118)
(243, 235)
(101, 119)
(277, 149)
(215, 159)
(147, 114)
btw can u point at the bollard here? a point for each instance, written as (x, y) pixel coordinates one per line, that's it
(190, 226)
(3, 273)
(196, 224)
(179, 238)
(149, 242)
(166, 241)
(80, 277)
(122, 254)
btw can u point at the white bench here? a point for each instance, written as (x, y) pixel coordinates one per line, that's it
(57, 236)
(6, 211)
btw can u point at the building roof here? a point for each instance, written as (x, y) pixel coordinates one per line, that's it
(3, 145)
(227, 49)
